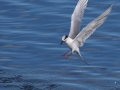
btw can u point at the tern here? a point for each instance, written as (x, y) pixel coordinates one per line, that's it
(76, 39)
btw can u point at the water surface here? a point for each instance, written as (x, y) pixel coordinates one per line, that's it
(31, 55)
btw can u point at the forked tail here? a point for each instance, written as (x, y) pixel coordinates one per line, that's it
(82, 58)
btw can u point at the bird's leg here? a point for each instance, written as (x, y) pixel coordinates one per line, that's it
(68, 55)
(65, 53)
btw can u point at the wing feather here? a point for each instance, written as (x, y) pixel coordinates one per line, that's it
(91, 27)
(76, 18)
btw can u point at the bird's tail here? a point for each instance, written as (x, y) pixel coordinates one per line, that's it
(82, 58)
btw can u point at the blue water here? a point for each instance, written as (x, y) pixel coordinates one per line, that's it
(31, 55)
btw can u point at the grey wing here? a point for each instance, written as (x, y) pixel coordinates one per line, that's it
(91, 27)
(76, 18)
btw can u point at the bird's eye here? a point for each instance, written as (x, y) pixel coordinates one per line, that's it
(66, 36)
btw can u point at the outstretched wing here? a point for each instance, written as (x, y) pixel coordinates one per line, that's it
(76, 18)
(91, 27)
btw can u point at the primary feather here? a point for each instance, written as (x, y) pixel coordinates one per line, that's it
(76, 18)
(91, 27)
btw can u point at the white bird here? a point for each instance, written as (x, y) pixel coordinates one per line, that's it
(76, 39)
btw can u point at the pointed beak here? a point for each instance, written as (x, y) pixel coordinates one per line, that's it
(61, 43)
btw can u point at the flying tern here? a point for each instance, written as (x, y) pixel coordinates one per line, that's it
(76, 39)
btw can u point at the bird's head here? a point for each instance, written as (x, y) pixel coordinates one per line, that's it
(64, 37)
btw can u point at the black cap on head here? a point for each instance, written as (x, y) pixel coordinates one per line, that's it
(66, 36)
(63, 38)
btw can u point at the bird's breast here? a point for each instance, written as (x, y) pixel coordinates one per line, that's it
(69, 42)
(72, 45)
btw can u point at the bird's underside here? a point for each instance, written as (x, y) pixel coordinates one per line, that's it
(78, 38)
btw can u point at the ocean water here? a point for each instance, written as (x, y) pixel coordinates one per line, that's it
(31, 55)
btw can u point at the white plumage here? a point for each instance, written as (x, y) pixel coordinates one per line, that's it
(76, 39)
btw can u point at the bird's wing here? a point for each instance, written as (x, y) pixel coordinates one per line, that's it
(91, 27)
(76, 18)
